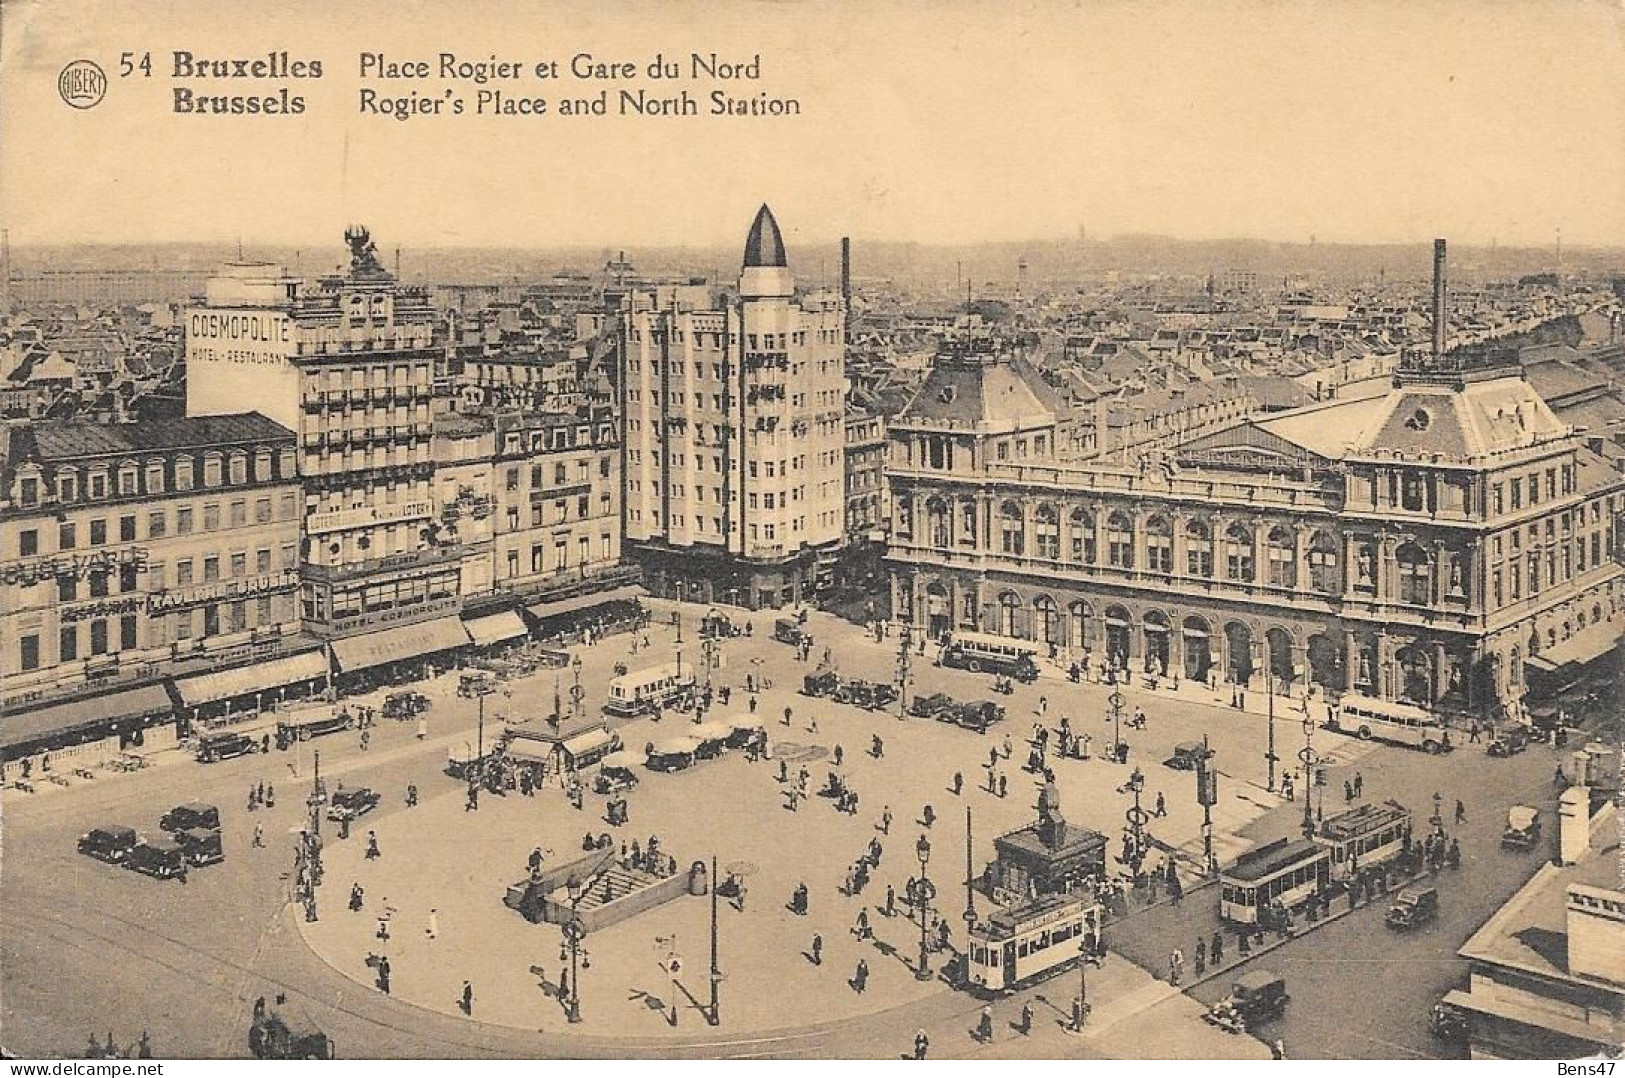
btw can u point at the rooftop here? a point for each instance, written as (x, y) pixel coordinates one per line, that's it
(80, 438)
(765, 246)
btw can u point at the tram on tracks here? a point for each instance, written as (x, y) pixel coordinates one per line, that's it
(1024, 944)
(1286, 871)
(1365, 837)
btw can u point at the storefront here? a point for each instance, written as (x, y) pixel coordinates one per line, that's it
(123, 714)
(494, 630)
(404, 652)
(253, 688)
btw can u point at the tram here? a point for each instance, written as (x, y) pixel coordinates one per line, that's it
(1285, 871)
(1364, 837)
(1023, 944)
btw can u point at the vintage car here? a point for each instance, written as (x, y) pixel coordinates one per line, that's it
(873, 695)
(718, 626)
(672, 754)
(1522, 829)
(821, 683)
(160, 858)
(280, 1035)
(1510, 739)
(307, 727)
(617, 772)
(788, 631)
(349, 804)
(201, 845)
(405, 705)
(1256, 997)
(190, 815)
(930, 707)
(976, 715)
(1414, 906)
(111, 843)
(223, 745)
(479, 683)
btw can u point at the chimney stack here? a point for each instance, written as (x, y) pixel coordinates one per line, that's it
(846, 282)
(1439, 320)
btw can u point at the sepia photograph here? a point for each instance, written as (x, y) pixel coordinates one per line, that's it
(811, 530)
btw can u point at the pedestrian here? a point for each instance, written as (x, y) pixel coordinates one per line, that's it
(1043, 705)
(1286, 787)
(891, 901)
(1246, 948)
(959, 783)
(1461, 812)
(1008, 748)
(265, 743)
(373, 853)
(1348, 792)
(357, 897)
(260, 793)
(1472, 733)
(366, 738)
(984, 1026)
(1278, 1049)
(259, 836)
(411, 795)
(467, 1002)
(1359, 785)
(1176, 966)
(1162, 805)
(817, 949)
(433, 927)
(1026, 1026)
(1003, 782)
(1201, 956)
(860, 977)
(383, 974)
(788, 714)
(885, 820)
(839, 753)
(922, 1044)
(383, 921)
(929, 816)
(1216, 951)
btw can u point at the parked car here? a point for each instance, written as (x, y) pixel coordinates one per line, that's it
(160, 858)
(930, 707)
(1256, 997)
(190, 815)
(349, 804)
(820, 683)
(405, 705)
(1414, 906)
(977, 715)
(223, 745)
(1509, 739)
(788, 631)
(111, 843)
(872, 695)
(201, 846)
(303, 729)
(1522, 829)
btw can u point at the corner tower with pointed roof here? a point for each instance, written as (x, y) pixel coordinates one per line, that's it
(735, 436)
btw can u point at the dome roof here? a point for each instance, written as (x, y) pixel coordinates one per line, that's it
(764, 246)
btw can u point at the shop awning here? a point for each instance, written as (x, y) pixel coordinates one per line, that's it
(528, 751)
(1573, 651)
(244, 680)
(401, 642)
(495, 628)
(32, 727)
(588, 741)
(583, 602)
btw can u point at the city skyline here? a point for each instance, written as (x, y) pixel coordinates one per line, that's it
(1396, 124)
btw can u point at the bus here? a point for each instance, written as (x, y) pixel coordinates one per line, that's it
(1401, 724)
(999, 654)
(1026, 943)
(642, 691)
(1288, 871)
(1365, 837)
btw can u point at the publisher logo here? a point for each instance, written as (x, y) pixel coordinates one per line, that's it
(82, 84)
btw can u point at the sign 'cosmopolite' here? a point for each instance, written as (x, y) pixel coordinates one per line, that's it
(254, 337)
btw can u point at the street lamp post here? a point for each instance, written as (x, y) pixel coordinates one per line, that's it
(1269, 756)
(1310, 758)
(1114, 705)
(1086, 948)
(714, 1016)
(905, 635)
(574, 931)
(575, 691)
(922, 850)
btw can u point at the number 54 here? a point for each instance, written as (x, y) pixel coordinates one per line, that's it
(127, 63)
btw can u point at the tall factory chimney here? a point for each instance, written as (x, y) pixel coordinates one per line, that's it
(1439, 317)
(846, 283)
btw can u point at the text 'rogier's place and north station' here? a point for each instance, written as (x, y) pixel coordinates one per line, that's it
(439, 85)
(586, 84)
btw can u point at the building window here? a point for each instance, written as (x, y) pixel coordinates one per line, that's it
(239, 514)
(67, 588)
(1415, 574)
(157, 524)
(126, 632)
(211, 518)
(98, 533)
(239, 564)
(1011, 528)
(1120, 541)
(98, 637)
(98, 585)
(511, 481)
(1283, 558)
(1047, 532)
(127, 578)
(1159, 545)
(211, 568)
(28, 652)
(211, 470)
(68, 643)
(1198, 549)
(262, 511)
(183, 572)
(183, 520)
(938, 522)
(1238, 554)
(28, 542)
(126, 529)
(1323, 563)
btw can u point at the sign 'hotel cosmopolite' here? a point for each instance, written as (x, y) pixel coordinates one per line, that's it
(243, 337)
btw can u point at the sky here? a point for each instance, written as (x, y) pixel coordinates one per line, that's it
(943, 122)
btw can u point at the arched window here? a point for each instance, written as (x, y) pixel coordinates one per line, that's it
(1238, 554)
(1010, 528)
(1198, 549)
(1009, 603)
(262, 465)
(239, 468)
(1515, 666)
(129, 477)
(1084, 546)
(1159, 545)
(1046, 533)
(1079, 628)
(184, 479)
(1415, 573)
(1048, 619)
(212, 465)
(938, 523)
(1120, 541)
(1283, 558)
(155, 477)
(1323, 563)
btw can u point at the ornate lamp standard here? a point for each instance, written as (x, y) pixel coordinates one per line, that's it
(575, 690)
(922, 850)
(574, 931)
(1310, 758)
(1114, 708)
